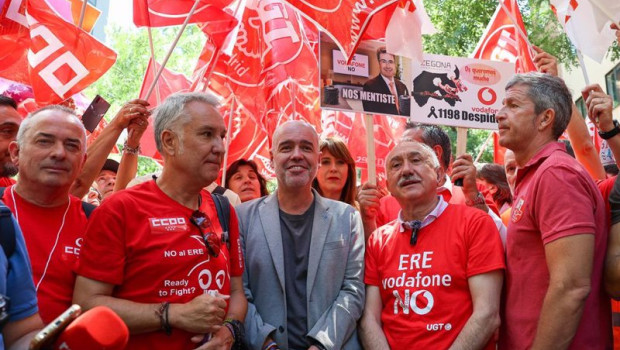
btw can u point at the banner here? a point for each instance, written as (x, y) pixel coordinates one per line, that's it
(162, 13)
(456, 91)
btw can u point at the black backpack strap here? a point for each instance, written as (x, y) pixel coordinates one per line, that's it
(88, 208)
(7, 230)
(219, 190)
(222, 206)
(2, 192)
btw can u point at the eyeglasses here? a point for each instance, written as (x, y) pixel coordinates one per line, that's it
(211, 239)
(386, 61)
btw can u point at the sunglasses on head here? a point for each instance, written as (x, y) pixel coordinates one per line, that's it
(211, 239)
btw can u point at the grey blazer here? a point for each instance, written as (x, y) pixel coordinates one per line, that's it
(335, 285)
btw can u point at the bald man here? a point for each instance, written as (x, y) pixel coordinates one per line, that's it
(304, 255)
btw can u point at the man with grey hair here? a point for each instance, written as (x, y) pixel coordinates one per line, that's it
(433, 257)
(557, 235)
(50, 151)
(157, 254)
(304, 255)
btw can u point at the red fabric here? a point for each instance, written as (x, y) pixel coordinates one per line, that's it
(162, 13)
(63, 60)
(503, 42)
(460, 243)
(6, 181)
(40, 227)
(270, 77)
(353, 17)
(169, 82)
(389, 206)
(498, 150)
(554, 198)
(128, 245)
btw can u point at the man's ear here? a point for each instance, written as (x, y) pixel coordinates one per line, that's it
(169, 142)
(14, 152)
(546, 120)
(439, 152)
(440, 175)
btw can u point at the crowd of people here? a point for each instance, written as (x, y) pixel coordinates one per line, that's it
(524, 255)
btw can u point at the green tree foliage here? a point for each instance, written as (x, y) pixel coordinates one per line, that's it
(122, 82)
(460, 25)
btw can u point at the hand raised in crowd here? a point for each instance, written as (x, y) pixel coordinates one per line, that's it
(136, 129)
(131, 110)
(545, 62)
(368, 198)
(464, 168)
(204, 314)
(599, 106)
(616, 26)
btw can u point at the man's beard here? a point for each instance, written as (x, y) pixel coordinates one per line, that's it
(8, 169)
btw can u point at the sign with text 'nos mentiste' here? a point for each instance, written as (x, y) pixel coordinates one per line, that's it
(457, 91)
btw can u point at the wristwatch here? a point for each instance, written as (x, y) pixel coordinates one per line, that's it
(606, 135)
(478, 200)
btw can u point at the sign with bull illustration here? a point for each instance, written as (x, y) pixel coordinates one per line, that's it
(458, 91)
(442, 90)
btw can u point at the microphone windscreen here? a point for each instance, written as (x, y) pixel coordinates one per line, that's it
(98, 328)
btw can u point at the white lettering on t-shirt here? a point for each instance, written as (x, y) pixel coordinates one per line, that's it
(412, 261)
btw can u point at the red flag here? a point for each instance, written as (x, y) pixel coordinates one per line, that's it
(62, 59)
(345, 21)
(169, 82)
(503, 41)
(498, 151)
(162, 13)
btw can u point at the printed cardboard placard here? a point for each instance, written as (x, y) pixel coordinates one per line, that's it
(457, 91)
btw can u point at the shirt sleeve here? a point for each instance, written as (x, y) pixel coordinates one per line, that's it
(20, 287)
(573, 206)
(104, 245)
(485, 250)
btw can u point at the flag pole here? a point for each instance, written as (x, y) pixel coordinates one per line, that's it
(174, 44)
(157, 95)
(228, 137)
(82, 13)
(484, 147)
(370, 149)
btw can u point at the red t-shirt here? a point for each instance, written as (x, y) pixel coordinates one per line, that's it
(40, 227)
(554, 198)
(142, 241)
(6, 181)
(389, 206)
(424, 290)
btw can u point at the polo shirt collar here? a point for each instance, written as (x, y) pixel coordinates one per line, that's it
(539, 157)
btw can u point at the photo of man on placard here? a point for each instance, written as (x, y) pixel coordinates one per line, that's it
(386, 86)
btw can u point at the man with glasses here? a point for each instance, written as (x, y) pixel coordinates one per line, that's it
(434, 275)
(304, 255)
(156, 253)
(385, 88)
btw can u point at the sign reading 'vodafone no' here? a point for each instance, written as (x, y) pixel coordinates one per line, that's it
(458, 91)
(358, 65)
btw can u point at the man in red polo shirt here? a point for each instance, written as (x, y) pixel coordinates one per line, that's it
(156, 253)
(434, 275)
(557, 235)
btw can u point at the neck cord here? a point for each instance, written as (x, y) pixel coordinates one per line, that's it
(62, 224)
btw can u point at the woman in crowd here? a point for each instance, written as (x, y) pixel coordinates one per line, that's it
(336, 178)
(493, 177)
(242, 177)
